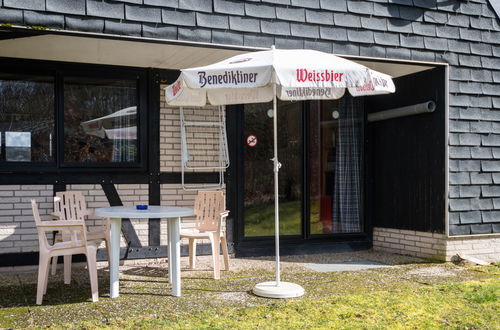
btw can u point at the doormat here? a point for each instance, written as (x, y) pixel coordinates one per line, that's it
(341, 266)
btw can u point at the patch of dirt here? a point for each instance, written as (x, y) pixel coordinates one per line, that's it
(436, 271)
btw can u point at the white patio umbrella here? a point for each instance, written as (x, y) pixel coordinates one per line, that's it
(262, 76)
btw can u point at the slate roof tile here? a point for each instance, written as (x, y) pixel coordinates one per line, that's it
(469, 60)
(227, 38)
(424, 29)
(446, 5)
(445, 31)
(469, 139)
(496, 102)
(143, 14)
(462, 204)
(481, 101)
(374, 23)
(470, 166)
(459, 46)
(459, 178)
(482, 203)
(76, 7)
(470, 8)
(411, 13)
(347, 48)
(487, 114)
(459, 152)
(197, 5)
(454, 217)
(322, 46)
(11, 16)
(258, 10)
(360, 7)
(347, 20)
(257, 40)
(43, 19)
(470, 34)
(481, 23)
(453, 85)
(306, 3)
(399, 53)
(496, 180)
(279, 2)
(229, 7)
(212, 21)
(459, 230)
(490, 37)
(470, 217)
(411, 41)
(319, 17)
(496, 50)
(84, 24)
(398, 25)
(436, 43)
(402, 2)
(481, 49)
(481, 229)
(106, 9)
(244, 24)
(304, 30)
(458, 20)
(333, 33)
(178, 17)
(470, 191)
(427, 4)
(447, 57)
(372, 51)
(491, 140)
(163, 3)
(25, 4)
(435, 17)
(490, 62)
(491, 89)
(481, 178)
(385, 10)
(122, 28)
(289, 43)
(159, 31)
(481, 127)
(333, 5)
(388, 39)
(454, 113)
(276, 28)
(453, 167)
(496, 76)
(291, 14)
(491, 216)
(469, 88)
(194, 34)
(459, 126)
(360, 36)
(462, 74)
(130, 1)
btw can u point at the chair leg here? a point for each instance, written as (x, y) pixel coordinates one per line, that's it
(92, 265)
(215, 242)
(192, 253)
(225, 253)
(54, 265)
(43, 264)
(47, 276)
(67, 269)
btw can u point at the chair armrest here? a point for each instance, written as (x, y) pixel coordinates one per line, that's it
(55, 215)
(224, 214)
(65, 224)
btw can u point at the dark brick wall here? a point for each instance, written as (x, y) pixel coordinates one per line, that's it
(465, 34)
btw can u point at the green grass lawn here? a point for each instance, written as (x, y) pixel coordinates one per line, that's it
(422, 296)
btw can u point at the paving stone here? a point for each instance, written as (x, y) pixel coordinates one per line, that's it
(84, 24)
(333, 5)
(291, 14)
(11, 16)
(459, 178)
(227, 38)
(177, 17)
(460, 152)
(399, 25)
(481, 153)
(76, 7)
(106, 9)
(481, 75)
(258, 10)
(159, 31)
(319, 17)
(386, 38)
(229, 7)
(470, 191)
(444, 31)
(306, 3)
(456, 230)
(492, 140)
(212, 21)
(399, 53)
(276, 28)
(360, 36)
(481, 229)
(374, 23)
(257, 40)
(436, 43)
(491, 216)
(347, 20)
(25, 4)
(194, 34)
(333, 33)
(303, 30)
(32, 18)
(122, 28)
(470, 217)
(244, 24)
(143, 14)
(163, 3)
(289, 43)
(490, 191)
(197, 5)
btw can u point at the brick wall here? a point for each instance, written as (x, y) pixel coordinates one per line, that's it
(435, 246)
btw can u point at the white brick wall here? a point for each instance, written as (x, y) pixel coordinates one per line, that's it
(438, 246)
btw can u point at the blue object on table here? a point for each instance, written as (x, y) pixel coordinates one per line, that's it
(141, 207)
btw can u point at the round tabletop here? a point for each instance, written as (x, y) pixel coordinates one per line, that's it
(153, 211)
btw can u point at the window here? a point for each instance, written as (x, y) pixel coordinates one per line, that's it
(26, 118)
(100, 120)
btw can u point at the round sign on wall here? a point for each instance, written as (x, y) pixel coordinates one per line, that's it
(252, 140)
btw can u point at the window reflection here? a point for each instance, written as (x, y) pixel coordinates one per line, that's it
(100, 120)
(26, 118)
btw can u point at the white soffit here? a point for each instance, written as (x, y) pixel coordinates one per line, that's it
(83, 49)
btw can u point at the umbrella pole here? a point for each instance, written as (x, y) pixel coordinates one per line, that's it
(277, 166)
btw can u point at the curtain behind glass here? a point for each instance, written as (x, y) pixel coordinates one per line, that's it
(347, 187)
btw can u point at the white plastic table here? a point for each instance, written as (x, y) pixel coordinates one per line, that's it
(172, 213)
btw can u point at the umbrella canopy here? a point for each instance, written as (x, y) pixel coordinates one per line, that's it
(299, 74)
(264, 76)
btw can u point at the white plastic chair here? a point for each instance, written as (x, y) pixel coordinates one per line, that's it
(209, 209)
(78, 244)
(72, 205)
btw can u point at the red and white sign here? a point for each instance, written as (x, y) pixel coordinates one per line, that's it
(252, 140)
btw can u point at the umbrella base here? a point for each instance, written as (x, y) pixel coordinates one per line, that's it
(284, 290)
